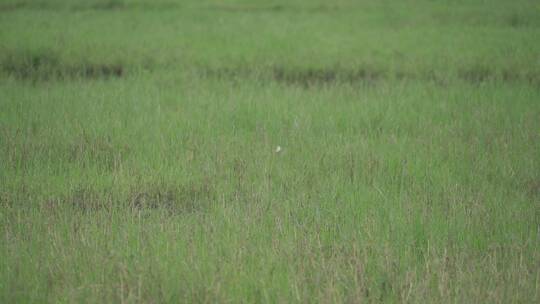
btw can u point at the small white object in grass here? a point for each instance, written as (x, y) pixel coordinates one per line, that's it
(278, 149)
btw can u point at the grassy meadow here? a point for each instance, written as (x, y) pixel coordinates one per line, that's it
(139, 156)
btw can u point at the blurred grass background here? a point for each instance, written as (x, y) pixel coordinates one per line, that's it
(138, 163)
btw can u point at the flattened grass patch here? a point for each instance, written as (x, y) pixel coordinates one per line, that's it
(88, 200)
(368, 75)
(47, 65)
(191, 197)
(308, 77)
(321, 77)
(74, 6)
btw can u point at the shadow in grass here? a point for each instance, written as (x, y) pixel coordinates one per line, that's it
(191, 197)
(108, 5)
(321, 77)
(367, 75)
(74, 6)
(45, 5)
(46, 66)
(476, 74)
(275, 8)
(480, 74)
(87, 200)
(247, 8)
(516, 20)
(128, 5)
(161, 5)
(306, 78)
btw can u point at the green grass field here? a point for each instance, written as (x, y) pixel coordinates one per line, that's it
(138, 157)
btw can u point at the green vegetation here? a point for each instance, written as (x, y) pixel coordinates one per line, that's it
(138, 154)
